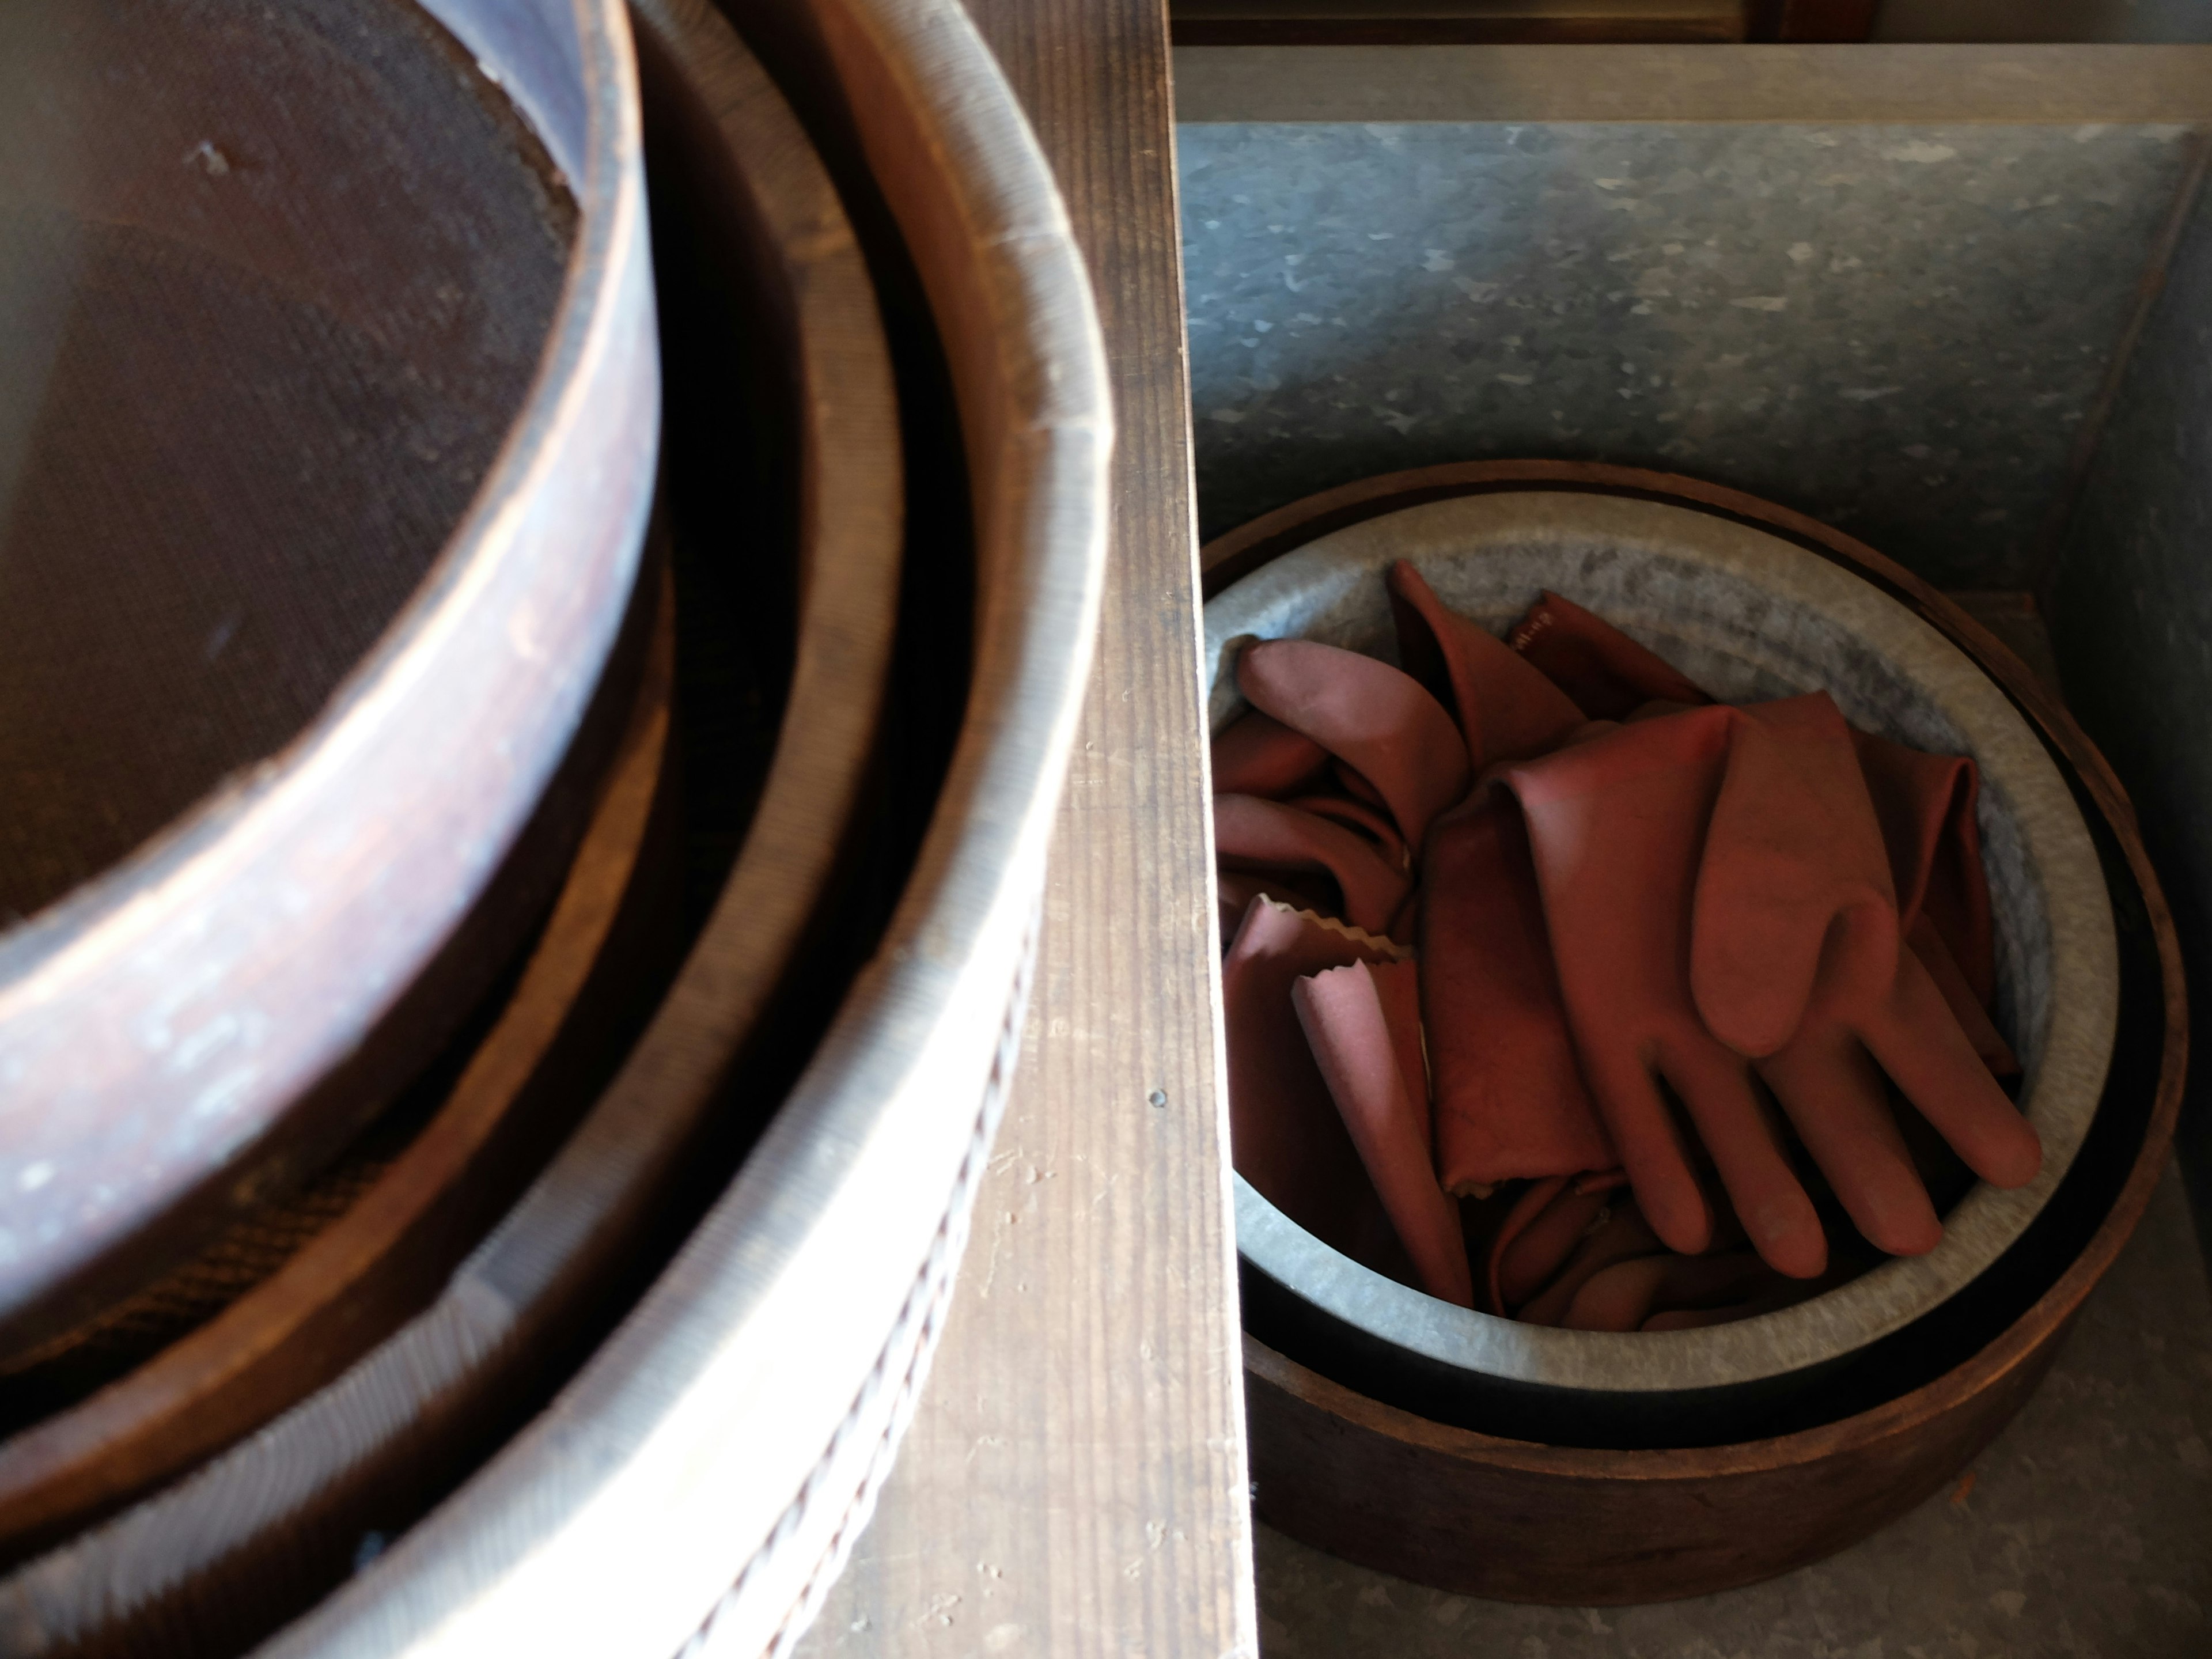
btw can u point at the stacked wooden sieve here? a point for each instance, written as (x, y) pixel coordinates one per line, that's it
(554, 554)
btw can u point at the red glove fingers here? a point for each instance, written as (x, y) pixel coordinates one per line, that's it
(1258, 755)
(1606, 673)
(1509, 1099)
(1264, 835)
(1792, 846)
(1624, 1236)
(1926, 942)
(1507, 709)
(1912, 1036)
(1926, 806)
(1829, 1087)
(1796, 955)
(1877, 1007)
(1351, 1042)
(1371, 717)
(1522, 1265)
(1287, 1136)
(1526, 1209)
(1623, 1297)
(1616, 826)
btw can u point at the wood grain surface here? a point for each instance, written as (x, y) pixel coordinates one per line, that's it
(1074, 1481)
(1455, 22)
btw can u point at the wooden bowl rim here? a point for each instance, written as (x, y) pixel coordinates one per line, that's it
(188, 1400)
(200, 989)
(1245, 549)
(705, 1461)
(309, 1466)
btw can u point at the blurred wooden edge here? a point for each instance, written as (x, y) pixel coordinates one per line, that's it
(1461, 22)
(1432, 22)
(1810, 84)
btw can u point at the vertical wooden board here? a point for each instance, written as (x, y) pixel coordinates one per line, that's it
(1074, 1480)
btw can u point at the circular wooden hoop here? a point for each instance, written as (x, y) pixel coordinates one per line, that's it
(1516, 1521)
(253, 1536)
(212, 1017)
(353, 1283)
(723, 1432)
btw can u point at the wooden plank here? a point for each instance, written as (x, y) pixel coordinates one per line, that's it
(1813, 20)
(1415, 22)
(1811, 84)
(1074, 1479)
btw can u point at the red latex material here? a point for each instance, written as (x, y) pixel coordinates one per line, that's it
(1258, 755)
(1798, 956)
(1531, 1257)
(1286, 1137)
(1374, 719)
(1398, 987)
(1623, 1236)
(1234, 890)
(1267, 837)
(1351, 1044)
(1507, 709)
(1959, 996)
(1625, 1296)
(1509, 1099)
(1925, 804)
(1616, 826)
(1607, 673)
(1362, 819)
(1793, 940)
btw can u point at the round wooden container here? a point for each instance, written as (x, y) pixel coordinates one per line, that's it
(1444, 1503)
(782, 500)
(408, 1204)
(365, 757)
(712, 1461)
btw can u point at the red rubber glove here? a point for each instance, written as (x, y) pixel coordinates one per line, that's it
(1268, 838)
(1617, 826)
(1636, 1295)
(1398, 988)
(1510, 1095)
(1797, 957)
(1507, 709)
(1362, 819)
(1287, 1136)
(1256, 755)
(1341, 1012)
(1608, 674)
(1621, 1236)
(1374, 719)
(1925, 804)
(1539, 1234)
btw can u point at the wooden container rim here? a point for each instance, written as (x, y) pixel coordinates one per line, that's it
(1242, 551)
(290, 892)
(299, 1326)
(691, 1468)
(318, 1466)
